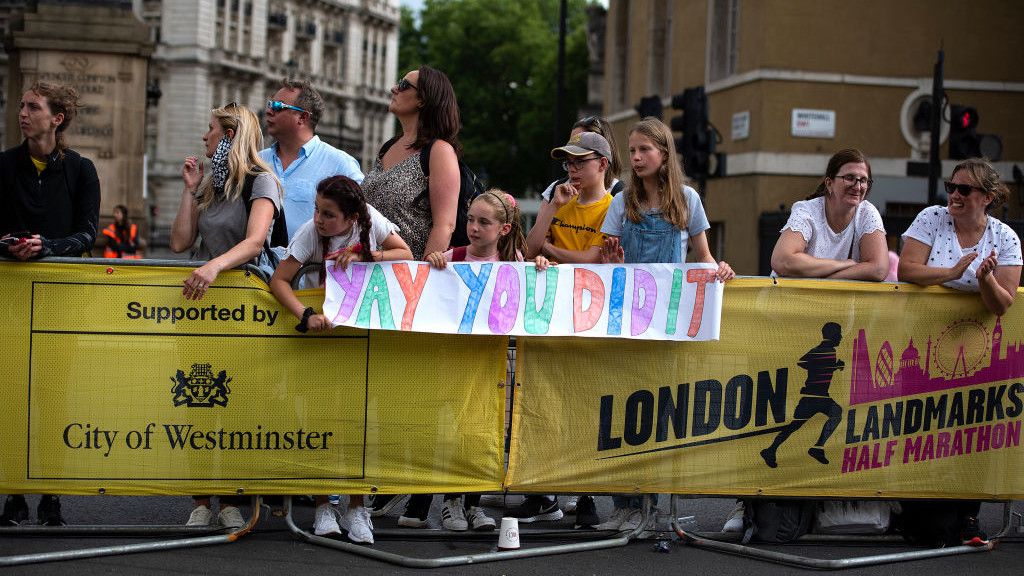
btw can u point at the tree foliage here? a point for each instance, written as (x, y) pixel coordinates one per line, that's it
(502, 58)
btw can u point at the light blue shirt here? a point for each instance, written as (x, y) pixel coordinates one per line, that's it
(317, 160)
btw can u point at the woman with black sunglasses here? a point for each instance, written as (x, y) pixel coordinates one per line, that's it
(423, 207)
(960, 246)
(424, 103)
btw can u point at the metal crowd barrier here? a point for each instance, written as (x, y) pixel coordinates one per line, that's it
(594, 540)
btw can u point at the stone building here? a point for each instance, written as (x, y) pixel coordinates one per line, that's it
(211, 52)
(858, 70)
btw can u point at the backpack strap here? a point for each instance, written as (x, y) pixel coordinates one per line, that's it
(617, 187)
(385, 147)
(250, 180)
(425, 159)
(459, 254)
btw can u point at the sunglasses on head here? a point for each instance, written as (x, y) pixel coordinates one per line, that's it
(404, 85)
(277, 106)
(963, 189)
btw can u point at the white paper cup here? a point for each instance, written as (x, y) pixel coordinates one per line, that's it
(508, 537)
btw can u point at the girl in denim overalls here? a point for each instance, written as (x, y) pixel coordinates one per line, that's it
(655, 220)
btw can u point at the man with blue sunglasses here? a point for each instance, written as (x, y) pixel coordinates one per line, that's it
(299, 158)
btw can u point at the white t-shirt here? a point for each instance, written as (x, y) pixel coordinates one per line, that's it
(934, 227)
(306, 246)
(808, 220)
(615, 218)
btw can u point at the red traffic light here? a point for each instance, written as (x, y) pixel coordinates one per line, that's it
(964, 117)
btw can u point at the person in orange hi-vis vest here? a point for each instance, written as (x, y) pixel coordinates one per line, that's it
(122, 236)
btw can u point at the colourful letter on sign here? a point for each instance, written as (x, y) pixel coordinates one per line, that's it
(376, 291)
(644, 287)
(411, 289)
(351, 288)
(583, 279)
(502, 318)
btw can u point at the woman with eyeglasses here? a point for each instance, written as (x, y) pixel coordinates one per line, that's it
(835, 233)
(960, 246)
(422, 203)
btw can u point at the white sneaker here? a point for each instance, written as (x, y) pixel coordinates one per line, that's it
(230, 517)
(357, 523)
(453, 517)
(735, 521)
(325, 521)
(634, 519)
(570, 504)
(479, 520)
(201, 516)
(619, 516)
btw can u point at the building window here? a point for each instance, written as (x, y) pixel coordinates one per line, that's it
(656, 80)
(620, 53)
(724, 39)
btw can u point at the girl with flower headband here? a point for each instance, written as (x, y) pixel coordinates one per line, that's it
(495, 233)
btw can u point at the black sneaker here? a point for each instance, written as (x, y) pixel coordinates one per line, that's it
(537, 509)
(383, 504)
(972, 534)
(49, 511)
(15, 511)
(586, 513)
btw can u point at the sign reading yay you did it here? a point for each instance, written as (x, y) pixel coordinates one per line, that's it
(645, 301)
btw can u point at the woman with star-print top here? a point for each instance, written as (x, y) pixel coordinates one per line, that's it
(960, 246)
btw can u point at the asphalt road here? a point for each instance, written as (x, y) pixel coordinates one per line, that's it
(272, 549)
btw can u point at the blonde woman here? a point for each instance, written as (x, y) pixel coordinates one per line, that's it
(232, 233)
(212, 205)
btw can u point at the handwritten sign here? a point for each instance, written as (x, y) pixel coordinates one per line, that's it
(645, 301)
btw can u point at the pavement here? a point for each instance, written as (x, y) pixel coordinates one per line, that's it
(272, 549)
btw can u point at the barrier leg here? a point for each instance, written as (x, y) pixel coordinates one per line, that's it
(459, 560)
(98, 551)
(819, 563)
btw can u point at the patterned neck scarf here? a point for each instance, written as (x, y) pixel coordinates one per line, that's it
(220, 165)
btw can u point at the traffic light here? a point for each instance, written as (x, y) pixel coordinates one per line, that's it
(964, 140)
(649, 106)
(697, 145)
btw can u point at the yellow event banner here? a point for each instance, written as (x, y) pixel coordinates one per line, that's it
(114, 383)
(816, 388)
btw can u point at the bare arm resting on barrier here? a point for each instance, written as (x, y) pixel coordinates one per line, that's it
(997, 284)
(789, 258)
(702, 253)
(281, 286)
(260, 217)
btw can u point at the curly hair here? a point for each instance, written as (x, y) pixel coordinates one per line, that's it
(61, 100)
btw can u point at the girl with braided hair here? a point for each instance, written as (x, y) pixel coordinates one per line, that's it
(344, 227)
